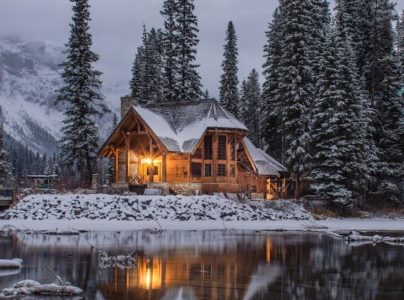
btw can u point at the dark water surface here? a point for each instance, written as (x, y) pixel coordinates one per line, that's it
(212, 265)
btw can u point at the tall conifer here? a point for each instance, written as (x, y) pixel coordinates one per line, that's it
(251, 105)
(229, 95)
(296, 85)
(82, 96)
(272, 127)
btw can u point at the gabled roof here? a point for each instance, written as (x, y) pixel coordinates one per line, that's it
(180, 126)
(265, 164)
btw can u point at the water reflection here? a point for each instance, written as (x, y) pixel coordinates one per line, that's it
(212, 265)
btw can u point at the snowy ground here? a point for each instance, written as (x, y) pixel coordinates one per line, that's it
(72, 213)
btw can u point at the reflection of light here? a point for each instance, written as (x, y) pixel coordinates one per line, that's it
(148, 278)
(149, 273)
(147, 161)
(268, 249)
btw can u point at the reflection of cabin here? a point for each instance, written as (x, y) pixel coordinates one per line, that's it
(188, 146)
(205, 275)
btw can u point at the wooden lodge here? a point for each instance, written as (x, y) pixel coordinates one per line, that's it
(189, 148)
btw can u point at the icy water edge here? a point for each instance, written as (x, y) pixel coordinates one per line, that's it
(211, 265)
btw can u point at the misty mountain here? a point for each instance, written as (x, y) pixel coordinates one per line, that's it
(29, 78)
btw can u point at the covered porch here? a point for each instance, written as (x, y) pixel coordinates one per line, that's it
(138, 156)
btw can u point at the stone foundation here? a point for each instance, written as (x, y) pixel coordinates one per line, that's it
(187, 189)
(164, 187)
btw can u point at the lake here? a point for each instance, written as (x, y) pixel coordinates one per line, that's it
(211, 265)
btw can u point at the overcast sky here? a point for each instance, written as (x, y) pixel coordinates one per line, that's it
(117, 25)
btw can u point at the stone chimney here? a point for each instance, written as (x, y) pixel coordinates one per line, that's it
(126, 103)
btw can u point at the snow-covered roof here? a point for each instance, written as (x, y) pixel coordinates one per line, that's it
(265, 164)
(180, 126)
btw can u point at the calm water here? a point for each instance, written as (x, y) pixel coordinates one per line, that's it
(213, 265)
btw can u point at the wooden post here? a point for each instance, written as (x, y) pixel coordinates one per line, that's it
(283, 187)
(151, 167)
(116, 154)
(189, 167)
(236, 145)
(268, 189)
(228, 154)
(214, 156)
(164, 167)
(127, 148)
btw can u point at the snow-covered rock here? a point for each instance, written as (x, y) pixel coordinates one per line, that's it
(355, 236)
(14, 263)
(31, 287)
(139, 208)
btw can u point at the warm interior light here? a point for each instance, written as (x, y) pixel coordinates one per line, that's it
(147, 161)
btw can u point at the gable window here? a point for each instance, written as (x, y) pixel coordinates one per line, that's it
(208, 147)
(208, 170)
(221, 170)
(221, 149)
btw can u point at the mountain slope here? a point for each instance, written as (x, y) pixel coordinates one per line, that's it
(29, 78)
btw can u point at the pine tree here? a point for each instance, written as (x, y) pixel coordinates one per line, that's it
(251, 104)
(229, 96)
(186, 43)
(138, 69)
(5, 168)
(171, 66)
(355, 137)
(321, 22)
(296, 85)
(328, 128)
(400, 46)
(379, 66)
(147, 82)
(82, 96)
(152, 81)
(206, 95)
(272, 129)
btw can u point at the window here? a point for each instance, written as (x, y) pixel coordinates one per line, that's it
(208, 170)
(196, 169)
(232, 170)
(208, 147)
(221, 170)
(221, 150)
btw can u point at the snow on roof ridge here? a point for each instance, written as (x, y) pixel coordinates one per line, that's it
(226, 113)
(214, 111)
(210, 111)
(183, 137)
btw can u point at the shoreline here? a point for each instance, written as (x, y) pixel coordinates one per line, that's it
(333, 225)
